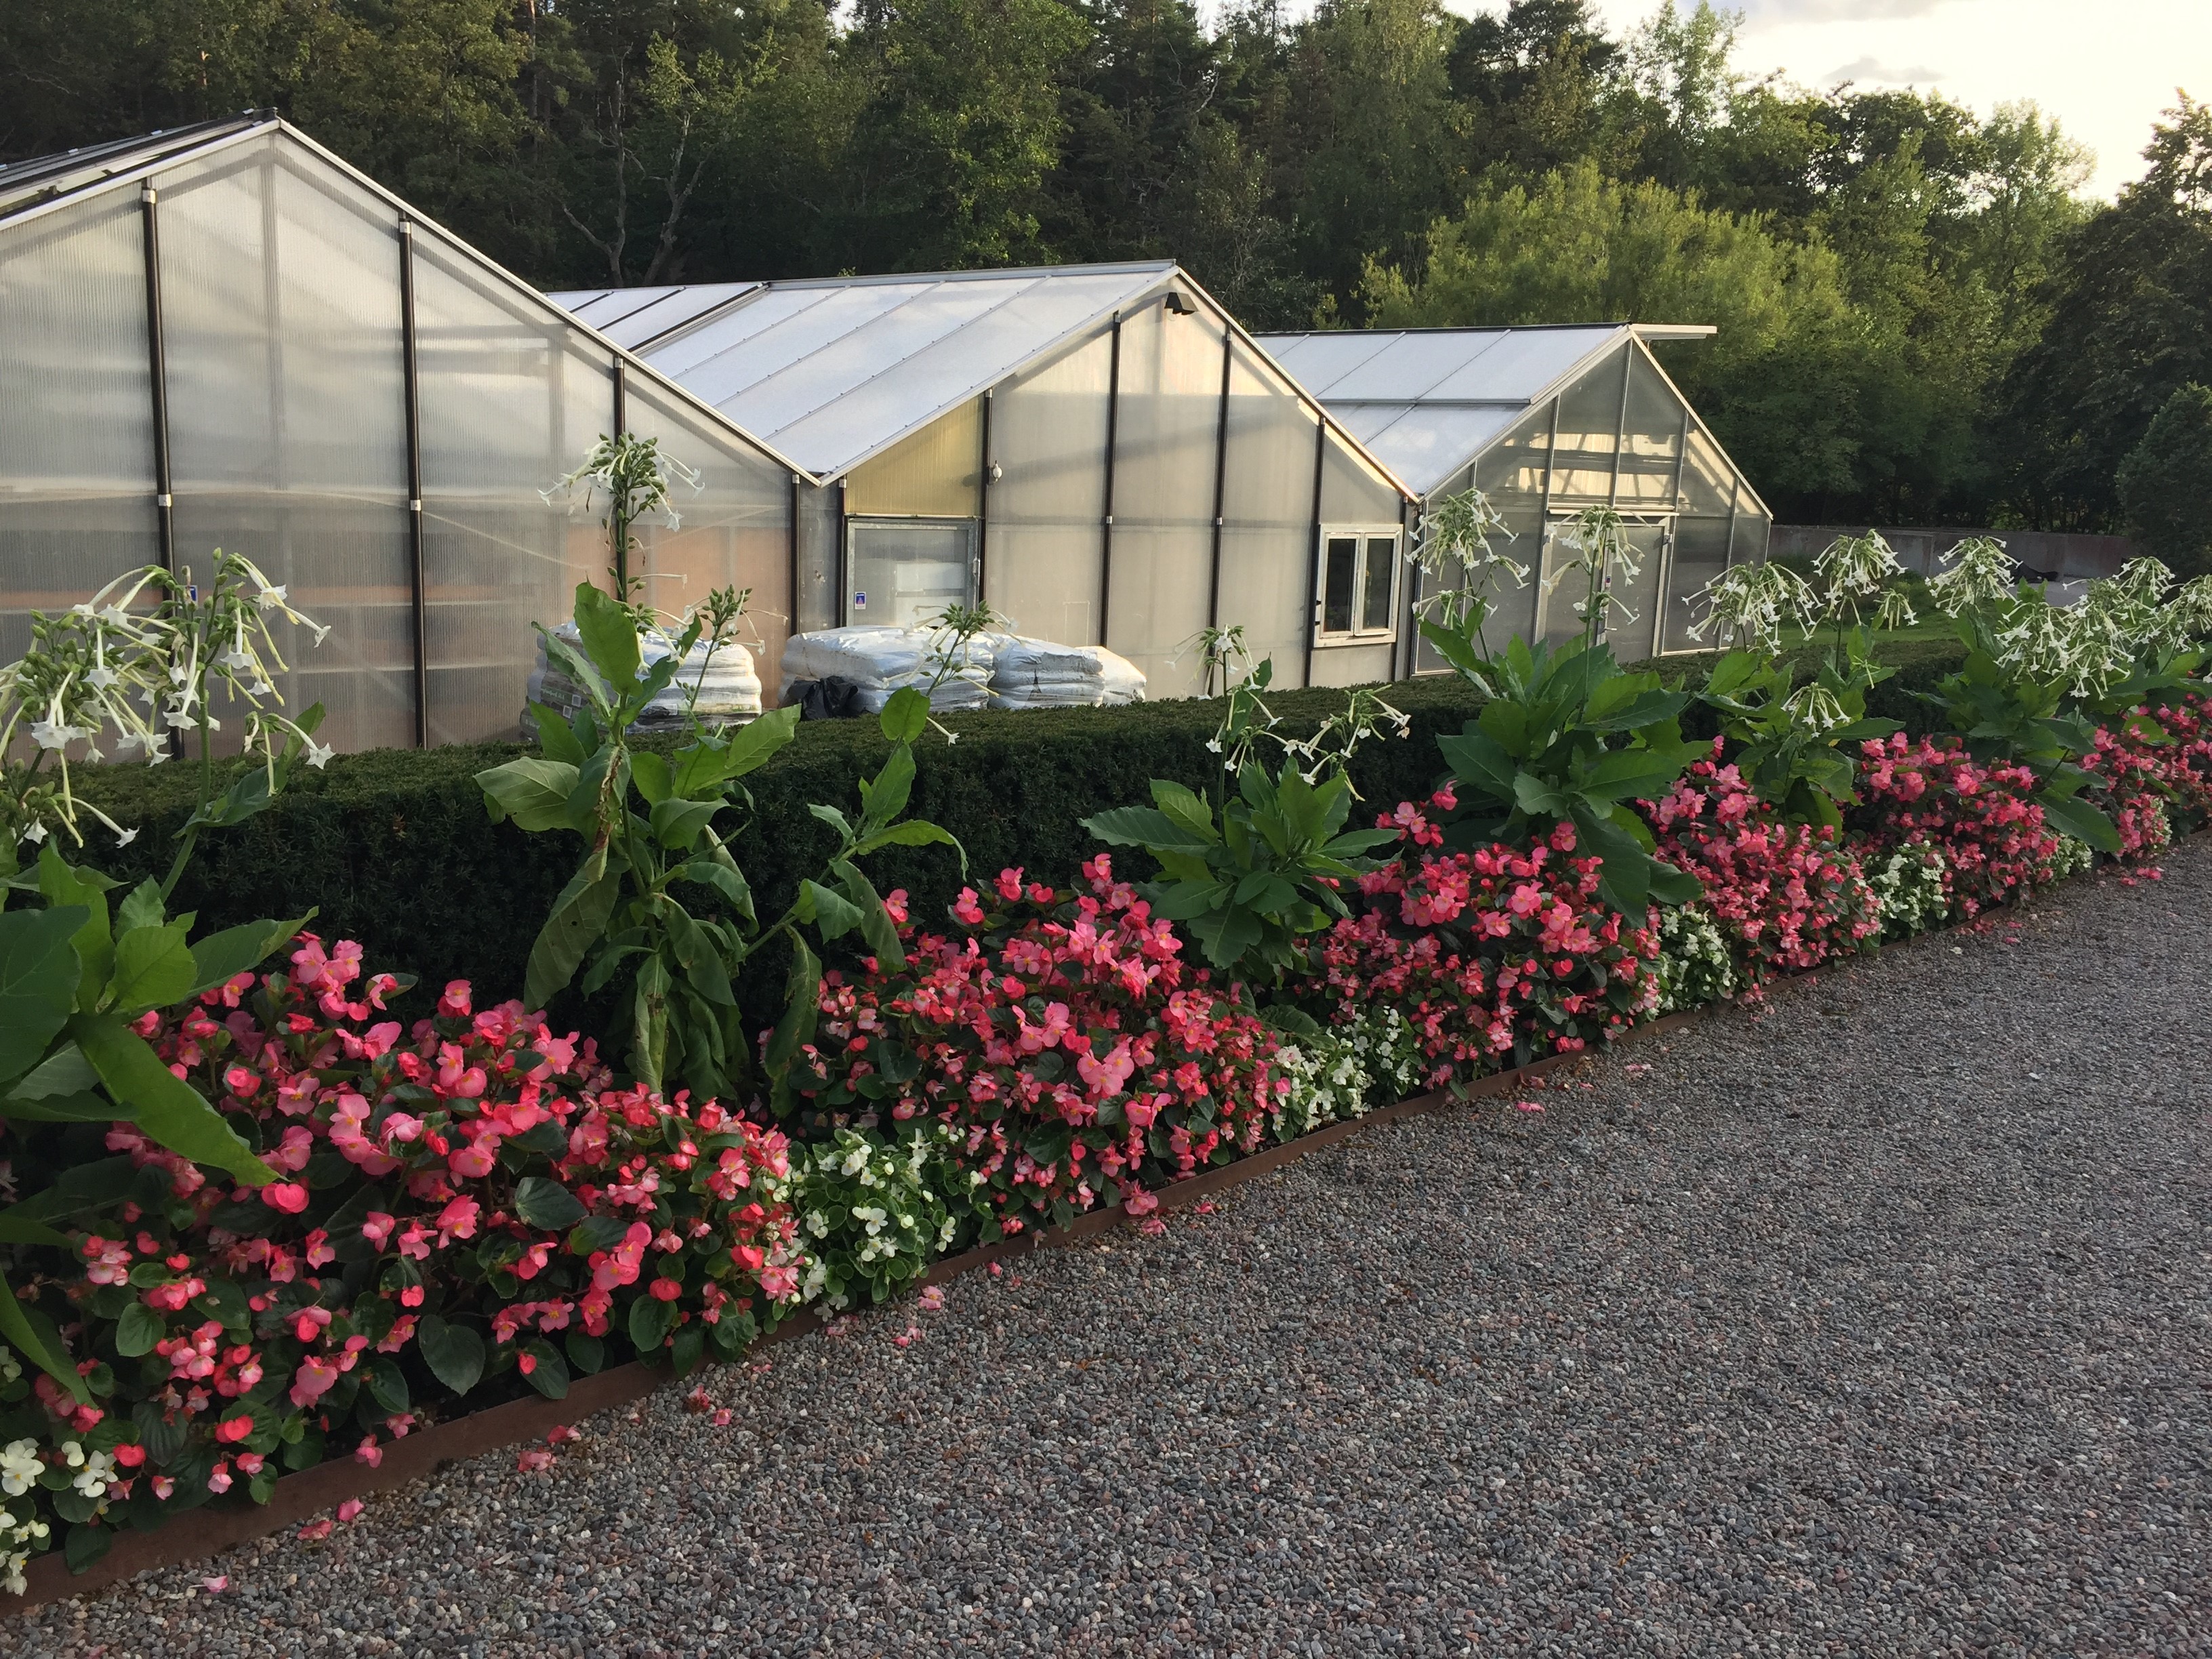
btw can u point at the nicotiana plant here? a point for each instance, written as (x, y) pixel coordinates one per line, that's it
(646, 819)
(632, 480)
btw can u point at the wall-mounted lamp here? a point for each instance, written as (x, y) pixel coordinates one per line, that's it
(1179, 305)
(997, 472)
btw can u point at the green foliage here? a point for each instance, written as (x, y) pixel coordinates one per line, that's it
(1571, 737)
(2165, 483)
(869, 1213)
(660, 902)
(74, 974)
(1251, 882)
(1795, 743)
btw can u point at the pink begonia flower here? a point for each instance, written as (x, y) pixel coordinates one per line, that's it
(289, 1196)
(401, 1127)
(350, 1511)
(378, 1227)
(309, 1323)
(217, 1584)
(454, 1004)
(534, 1459)
(1141, 1202)
(318, 1251)
(316, 1377)
(475, 1160)
(779, 1283)
(458, 1220)
(293, 1151)
(315, 1531)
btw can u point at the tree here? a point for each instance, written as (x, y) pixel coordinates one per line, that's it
(1776, 383)
(2130, 322)
(2165, 483)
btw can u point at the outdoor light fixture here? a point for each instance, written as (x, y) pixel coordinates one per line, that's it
(1179, 305)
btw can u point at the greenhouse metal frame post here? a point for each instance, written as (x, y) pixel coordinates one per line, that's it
(417, 581)
(158, 375)
(1313, 545)
(1106, 529)
(982, 500)
(1220, 477)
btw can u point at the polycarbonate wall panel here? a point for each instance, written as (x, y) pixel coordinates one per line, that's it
(511, 399)
(1651, 440)
(1701, 553)
(1268, 538)
(930, 474)
(734, 532)
(77, 426)
(1042, 540)
(1629, 630)
(1164, 471)
(1364, 664)
(1512, 477)
(1590, 427)
(281, 317)
(1351, 492)
(818, 540)
(1752, 527)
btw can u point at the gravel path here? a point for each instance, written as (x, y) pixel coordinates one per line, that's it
(1876, 1324)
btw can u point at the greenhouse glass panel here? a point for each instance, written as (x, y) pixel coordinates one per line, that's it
(1042, 543)
(1631, 625)
(1352, 491)
(512, 399)
(818, 554)
(734, 532)
(1701, 553)
(287, 416)
(76, 427)
(1514, 465)
(1651, 440)
(1589, 426)
(1708, 481)
(1753, 527)
(1163, 468)
(1267, 539)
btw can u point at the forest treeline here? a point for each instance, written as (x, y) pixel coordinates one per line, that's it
(1921, 318)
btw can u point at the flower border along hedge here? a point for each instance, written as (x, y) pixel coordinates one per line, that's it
(473, 1199)
(389, 845)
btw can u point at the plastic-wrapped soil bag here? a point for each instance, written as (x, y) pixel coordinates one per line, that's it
(729, 695)
(1030, 673)
(877, 661)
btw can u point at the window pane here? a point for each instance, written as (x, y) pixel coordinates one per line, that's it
(1375, 606)
(904, 572)
(1339, 584)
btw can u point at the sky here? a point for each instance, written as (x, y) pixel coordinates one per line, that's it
(2104, 68)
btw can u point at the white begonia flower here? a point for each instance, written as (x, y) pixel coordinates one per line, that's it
(97, 1471)
(19, 1467)
(870, 1215)
(854, 1161)
(10, 1368)
(72, 1454)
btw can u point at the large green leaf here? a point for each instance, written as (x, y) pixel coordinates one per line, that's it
(746, 748)
(579, 919)
(884, 796)
(609, 633)
(726, 879)
(877, 926)
(221, 958)
(2079, 819)
(1480, 762)
(533, 791)
(33, 1335)
(1185, 809)
(163, 1106)
(905, 716)
(703, 962)
(801, 1007)
(830, 911)
(914, 832)
(38, 969)
(154, 969)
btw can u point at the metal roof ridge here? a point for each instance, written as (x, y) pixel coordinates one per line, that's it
(161, 147)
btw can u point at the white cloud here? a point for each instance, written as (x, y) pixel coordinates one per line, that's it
(1872, 71)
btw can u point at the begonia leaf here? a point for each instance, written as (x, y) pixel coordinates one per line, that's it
(454, 1354)
(543, 1202)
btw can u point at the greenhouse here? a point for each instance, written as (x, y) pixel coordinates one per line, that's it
(1099, 453)
(1547, 422)
(226, 337)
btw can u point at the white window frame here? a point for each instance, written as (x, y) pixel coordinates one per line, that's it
(861, 522)
(1366, 534)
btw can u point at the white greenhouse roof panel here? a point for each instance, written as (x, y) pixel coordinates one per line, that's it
(1426, 401)
(833, 371)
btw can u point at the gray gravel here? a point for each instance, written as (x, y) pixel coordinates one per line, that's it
(1873, 1324)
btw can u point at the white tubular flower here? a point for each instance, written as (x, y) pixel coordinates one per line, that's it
(319, 754)
(1815, 706)
(271, 597)
(1895, 610)
(1856, 567)
(52, 734)
(1978, 571)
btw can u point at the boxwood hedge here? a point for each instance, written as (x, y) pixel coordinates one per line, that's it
(393, 848)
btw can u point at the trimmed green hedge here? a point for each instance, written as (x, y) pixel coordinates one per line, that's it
(394, 848)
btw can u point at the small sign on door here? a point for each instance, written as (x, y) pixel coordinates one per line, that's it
(859, 602)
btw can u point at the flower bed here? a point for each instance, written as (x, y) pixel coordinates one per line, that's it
(473, 1208)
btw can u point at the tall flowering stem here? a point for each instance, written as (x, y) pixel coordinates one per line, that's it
(143, 663)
